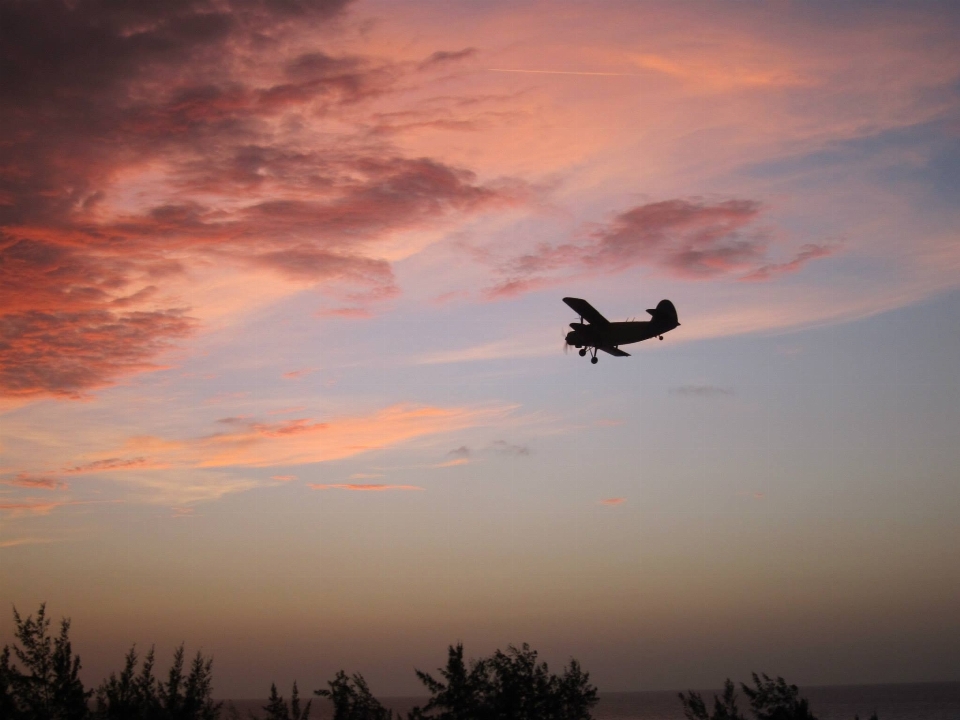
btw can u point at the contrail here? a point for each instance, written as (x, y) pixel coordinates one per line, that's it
(564, 72)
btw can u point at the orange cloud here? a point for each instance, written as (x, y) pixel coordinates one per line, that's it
(32, 507)
(297, 374)
(613, 501)
(304, 440)
(249, 443)
(452, 463)
(112, 464)
(374, 487)
(33, 481)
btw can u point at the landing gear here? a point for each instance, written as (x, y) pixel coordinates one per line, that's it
(661, 337)
(593, 360)
(583, 351)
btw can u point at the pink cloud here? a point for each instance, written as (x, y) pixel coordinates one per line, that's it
(689, 239)
(608, 422)
(368, 487)
(452, 463)
(250, 443)
(33, 481)
(356, 313)
(110, 464)
(166, 154)
(297, 374)
(613, 501)
(807, 252)
(283, 478)
(32, 507)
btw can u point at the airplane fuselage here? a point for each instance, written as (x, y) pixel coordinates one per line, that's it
(615, 333)
(599, 333)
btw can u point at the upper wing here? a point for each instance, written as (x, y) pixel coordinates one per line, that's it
(587, 311)
(617, 352)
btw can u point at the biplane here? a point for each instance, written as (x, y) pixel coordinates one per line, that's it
(594, 332)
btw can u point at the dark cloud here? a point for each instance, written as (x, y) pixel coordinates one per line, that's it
(442, 57)
(66, 353)
(705, 391)
(505, 448)
(26, 480)
(108, 465)
(686, 238)
(206, 92)
(461, 452)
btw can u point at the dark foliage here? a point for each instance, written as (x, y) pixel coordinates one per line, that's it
(724, 706)
(508, 685)
(131, 695)
(769, 700)
(775, 700)
(47, 687)
(352, 699)
(277, 708)
(141, 696)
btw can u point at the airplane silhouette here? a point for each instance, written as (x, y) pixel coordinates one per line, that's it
(598, 333)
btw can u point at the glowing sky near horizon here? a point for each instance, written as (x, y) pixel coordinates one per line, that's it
(280, 335)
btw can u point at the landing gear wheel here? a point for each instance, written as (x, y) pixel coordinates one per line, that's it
(661, 337)
(583, 352)
(593, 360)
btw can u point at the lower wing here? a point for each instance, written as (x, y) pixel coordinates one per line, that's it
(616, 352)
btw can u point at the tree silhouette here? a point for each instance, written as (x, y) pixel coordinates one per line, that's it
(130, 696)
(775, 700)
(277, 708)
(508, 685)
(8, 705)
(769, 700)
(48, 686)
(724, 706)
(352, 699)
(141, 696)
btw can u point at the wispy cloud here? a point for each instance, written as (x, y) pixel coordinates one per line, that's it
(504, 448)
(362, 487)
(33, 507)
(297, 374)
(613, 501)
(564, 72)
(455, 462)
(689, 239)
(531, 346)
(16, 542)
(608, 422)
(110, 464)
(26, 480)
(705, 391)
(445, 57)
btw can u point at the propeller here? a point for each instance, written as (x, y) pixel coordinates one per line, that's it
(566, 345)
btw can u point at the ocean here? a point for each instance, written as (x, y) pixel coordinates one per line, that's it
(919, 701)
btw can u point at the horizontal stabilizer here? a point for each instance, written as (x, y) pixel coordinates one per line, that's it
(616, 352)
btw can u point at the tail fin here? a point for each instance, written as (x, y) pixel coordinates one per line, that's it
(665, 314)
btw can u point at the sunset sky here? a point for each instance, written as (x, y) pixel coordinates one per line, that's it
(281, 363)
